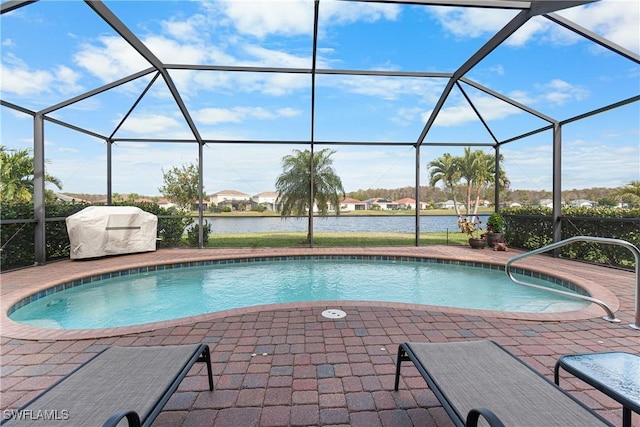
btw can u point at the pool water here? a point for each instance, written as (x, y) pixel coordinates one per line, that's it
(169, 294)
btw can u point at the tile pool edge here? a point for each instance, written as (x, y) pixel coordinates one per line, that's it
(16, 330)
(566, 284)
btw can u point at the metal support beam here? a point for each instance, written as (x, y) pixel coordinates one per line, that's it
(286, 70)
(538, 7)
(109, 171)
(496, 179)
(505, 32)
(601, 110)
(8, 6)
(527, 134)
(135, 104)
(557, 182)
(312, 196)
(475, 110)
(38, 190)
(519, 20)
(200, 196)
(486, 4)
(96, 91)
(607, 44)
(73, 127)
(17, 108)
(127, 35)
(436, 111)
(508, 100)
(417, 243)
(114, 22)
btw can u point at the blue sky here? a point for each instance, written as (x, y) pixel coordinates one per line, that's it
(55, 50)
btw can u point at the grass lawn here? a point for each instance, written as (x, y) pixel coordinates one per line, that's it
(331, 239)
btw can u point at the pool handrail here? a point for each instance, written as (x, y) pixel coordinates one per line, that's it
(605, 240)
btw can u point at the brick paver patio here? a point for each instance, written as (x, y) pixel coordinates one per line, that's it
(286, 365)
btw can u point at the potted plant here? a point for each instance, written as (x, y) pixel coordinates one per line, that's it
(472, 229)
(495, 229)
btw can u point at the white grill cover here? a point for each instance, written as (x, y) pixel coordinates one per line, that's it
(111, 230)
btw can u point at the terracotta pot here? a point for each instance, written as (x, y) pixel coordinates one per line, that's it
(477, 243)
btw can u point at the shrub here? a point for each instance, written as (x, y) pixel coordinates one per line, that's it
(496, 223)
(171, 225)
(532, 228)
(193, 235)
(17, 240)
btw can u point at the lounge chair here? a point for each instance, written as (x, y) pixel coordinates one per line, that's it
(480, 379)
(120, 382)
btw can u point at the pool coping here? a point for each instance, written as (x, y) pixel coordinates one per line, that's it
(9, 328)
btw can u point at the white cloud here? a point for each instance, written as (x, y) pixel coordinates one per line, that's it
(616, 20)
(455, 115)
(497, 69)
(174, 52)
(262, 18)
(471, 22)
(528, 167)
(271, 84)
(68, 150)
(288, 112)
(68, 79)
(189, 29)
(466, 23)
(295, 17)
(269, 57)
(559, 92)
(19, 79)
(533, 28)
(150, 124)
(341, 13)
(406, 116)
(186, 41)
(387, 88)
(210, 116)
(110, 60)
(555, 92)
(584, 164)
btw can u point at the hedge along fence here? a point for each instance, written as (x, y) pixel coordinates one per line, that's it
(532, 227)
(526, 228)
(17, 239)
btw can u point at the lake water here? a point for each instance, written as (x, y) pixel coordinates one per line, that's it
(378, 223)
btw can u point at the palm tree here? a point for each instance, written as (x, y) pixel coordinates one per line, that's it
(444, 169)
(473, 170)
(16, 175)
(296, 194)
(485, 174)
(630, 193)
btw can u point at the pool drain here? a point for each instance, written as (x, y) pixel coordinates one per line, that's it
(334, 313)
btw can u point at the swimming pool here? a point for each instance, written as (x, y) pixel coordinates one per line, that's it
(158, 293)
